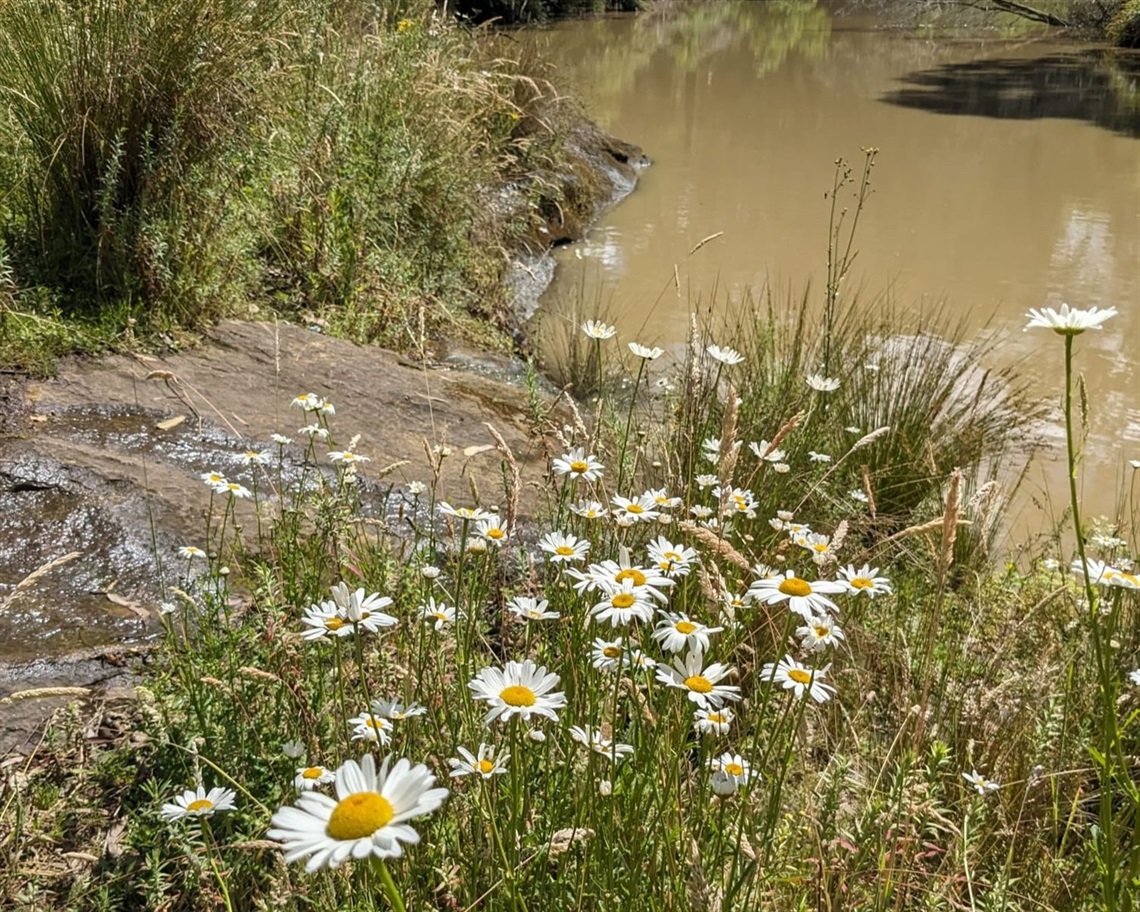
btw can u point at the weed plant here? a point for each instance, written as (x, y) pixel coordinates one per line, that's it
(642, 689)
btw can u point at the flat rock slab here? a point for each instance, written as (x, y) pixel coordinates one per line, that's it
(97, 487)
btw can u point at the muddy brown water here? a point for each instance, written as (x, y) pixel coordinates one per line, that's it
(1008, 177)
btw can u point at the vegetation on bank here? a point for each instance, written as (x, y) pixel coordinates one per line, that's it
(162, 163)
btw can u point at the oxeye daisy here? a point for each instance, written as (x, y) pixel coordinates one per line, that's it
(635, 658)
(807, 599)
(484, 764)
(733, 766)
(347, 457)
(713, 721)
(1068, 321)
(818, 457)
(858, 495)
(314, 430)
(280, 439)
(588, 509)
(190, 552)
(518, 689)
(596, 329)
(767, 451)
(662, 499)
(710, 449)
(674, 560)
(700, 511)
(199, 803)
(532, 609)
(822, 384)
(234, 490)
(621, 605)
(370, 726)
(368, 816)
(819, 633)
(593, 739)
(793, 676)
(701, 683)
(1134, 676)
(253, 457)
(678, 632)
(440, 615)
(564, 547)
(577, 464)
(607, 655)
(493, 530)
(395, 710)
(470, 514)
(324, 620)
(643, 351)
(641, 508)
(362, 611)
(310, 777)
(216, 481)
(309, 402)
(981, 784)
(818, 544)
(864, 580)
(727, 356)
(609, 574)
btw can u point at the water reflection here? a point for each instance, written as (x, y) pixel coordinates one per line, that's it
(1094, 86)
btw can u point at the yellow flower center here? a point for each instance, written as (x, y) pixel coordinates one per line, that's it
(495, 532)
(202, 804)
(1129, 578)
(861, 582)
(579, 467)
(795, 586)
(335, 623)
(313, 772)
(718, 718)
(622, 600)
(699, 684)
(439, 615)
(820, 547)
(734, 769)
(373, 722)
(799, 676)
(822, 632)
(517, 695)
(485, 766)
(673, 557)
(685, 627)
(611, 652)
(564, 550)
(632, 574)
(635, 508)
(359, 815)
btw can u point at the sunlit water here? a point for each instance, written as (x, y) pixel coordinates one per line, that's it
(1008, 177)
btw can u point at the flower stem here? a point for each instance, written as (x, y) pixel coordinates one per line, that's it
(389, 886)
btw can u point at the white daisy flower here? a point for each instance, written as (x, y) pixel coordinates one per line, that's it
(608, 655)
(362, 611)
(253, 457)
(415, 488)
(199, 803)
(822, 384)
(815, 542)
(396, 710)
(564, 547)
(1068, 321)
(471, 514)
(807, 599)
(440, 615)
(190, 552)
(706, 481)
(621, 605)
(596, 329)
(234, 490)
(701, 683)
(609, 573)
(641, 508)
(819, 633)
(793, 676)
(314, 430)
(430, 572)
(519, 689)
(700, 511)
(293, 749)
(981, 784)
(733, 766)
(678, 632)
(635, 658)
(371, 726)
(662, 499)
(818, 457)
(853, 430)
(713, 721)
(532, 609)
(216, 481)
(859, 495)
(643, 351)
(310, 777)
(1134, 677)
(588, 509)
(767, 451)
(727, 356)
(368, 817)
(493, 529)
(577, 464)
(280, 439)
(674, 560)
(347, 457)
(309, 402)
(864, 580)
(710, 449)
(324, 620)
(484, 764)
(593, 739)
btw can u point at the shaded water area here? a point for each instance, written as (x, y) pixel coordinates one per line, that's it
(1008, 177)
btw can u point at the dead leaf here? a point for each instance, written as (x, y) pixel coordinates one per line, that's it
(115, 599)
(476, 450)
(170, 423)
(38, 418)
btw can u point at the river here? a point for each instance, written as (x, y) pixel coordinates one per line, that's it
(1008, 177)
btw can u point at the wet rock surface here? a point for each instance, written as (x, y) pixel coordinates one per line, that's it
(98, 489)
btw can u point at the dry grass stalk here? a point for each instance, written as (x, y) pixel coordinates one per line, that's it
(728, 446)
(43, 693)
(950, 522)
(514, 477)
(713, 543)
(39, 573)
(869, 491)
(784, 431)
